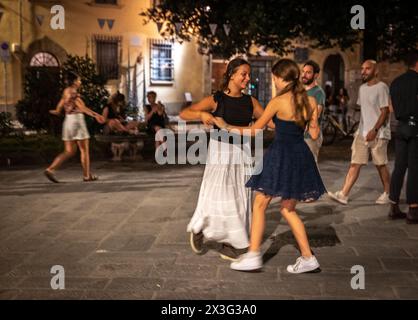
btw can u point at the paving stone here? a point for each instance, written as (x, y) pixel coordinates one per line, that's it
(140, 284)
(119, 270)
(407, 292)
(381, 251)
(10, 282)
(8, 294)
(177, 271)
(117, 295)
(400, 264)
(125, 238)
(70, 283)
(184, 296)
(49, 294)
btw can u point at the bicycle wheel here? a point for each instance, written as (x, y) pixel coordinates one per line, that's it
(329, 132)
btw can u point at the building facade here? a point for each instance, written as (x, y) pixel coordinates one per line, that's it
(134, 58)
(131, 56)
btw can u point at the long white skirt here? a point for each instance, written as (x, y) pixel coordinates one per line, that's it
(223, 211)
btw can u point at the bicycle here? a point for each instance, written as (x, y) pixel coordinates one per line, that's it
(331, 127)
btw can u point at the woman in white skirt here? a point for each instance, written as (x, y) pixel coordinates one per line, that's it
(74, 130)
(224, 206)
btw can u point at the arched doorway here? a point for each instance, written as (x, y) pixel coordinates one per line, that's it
(333, 74)
(43, 89)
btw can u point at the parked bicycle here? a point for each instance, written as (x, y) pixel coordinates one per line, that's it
(331, 127)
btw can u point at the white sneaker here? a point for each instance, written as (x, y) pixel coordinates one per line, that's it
(304, 265)
(339, 197)
(383, 199)
(249, 261)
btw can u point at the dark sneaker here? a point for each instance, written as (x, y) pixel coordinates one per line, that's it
(412, 216)
(196, 242)
(230, 253)
(396, 213)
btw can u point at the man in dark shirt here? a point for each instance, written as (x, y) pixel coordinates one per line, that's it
(404, 96)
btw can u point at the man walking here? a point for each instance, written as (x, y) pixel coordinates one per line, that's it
(404, 96)
(310, 74)
(373, 134)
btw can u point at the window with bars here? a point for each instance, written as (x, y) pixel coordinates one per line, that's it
(161, 62)
(108, 56)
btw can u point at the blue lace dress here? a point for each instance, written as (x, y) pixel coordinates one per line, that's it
(289, 169)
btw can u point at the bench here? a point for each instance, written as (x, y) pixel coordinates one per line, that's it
(121, 143)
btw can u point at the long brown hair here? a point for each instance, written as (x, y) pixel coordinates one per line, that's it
(289, 71)
(232, 67)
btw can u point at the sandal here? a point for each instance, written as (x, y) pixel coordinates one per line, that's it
(92, 177)
(51, 177)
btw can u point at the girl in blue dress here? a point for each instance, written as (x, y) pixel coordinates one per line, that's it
(289, 170)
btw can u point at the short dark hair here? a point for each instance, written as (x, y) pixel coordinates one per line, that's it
(314, 66)
(411, 59)
(153, 93)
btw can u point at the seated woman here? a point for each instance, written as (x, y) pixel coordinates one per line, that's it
(155, 116)
(114, 117)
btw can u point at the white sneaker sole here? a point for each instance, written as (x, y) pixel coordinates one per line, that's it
(248, 269)
(224, 257)
(383, 202)
(194, 249)
(314, 270)
(333, 197)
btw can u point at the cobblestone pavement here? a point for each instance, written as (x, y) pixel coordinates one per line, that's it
(124, 237)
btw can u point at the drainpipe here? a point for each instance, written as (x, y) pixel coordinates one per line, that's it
(20, 23)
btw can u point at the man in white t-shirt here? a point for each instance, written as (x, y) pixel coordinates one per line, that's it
(373, 135)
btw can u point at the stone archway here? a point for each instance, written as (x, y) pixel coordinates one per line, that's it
(334, 71)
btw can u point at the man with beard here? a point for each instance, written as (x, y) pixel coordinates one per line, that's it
(310, 73)
(373, 134)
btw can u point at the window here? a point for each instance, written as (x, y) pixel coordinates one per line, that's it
(44, 59)
(106, 1)
(161, 64)
(108, 56)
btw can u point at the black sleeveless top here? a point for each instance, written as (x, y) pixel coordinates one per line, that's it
(155, 120)
(236, 111)
(112, 114)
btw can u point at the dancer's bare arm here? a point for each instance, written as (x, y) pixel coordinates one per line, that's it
(200, 111)
(258, 112)
(105, 114)
(83, 108)
(313, 127)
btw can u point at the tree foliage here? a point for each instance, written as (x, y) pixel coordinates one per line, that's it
(273, 24)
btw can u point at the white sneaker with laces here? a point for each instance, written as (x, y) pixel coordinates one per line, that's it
(249, 261)
(339, 197)
(304, 265)
(383, 199)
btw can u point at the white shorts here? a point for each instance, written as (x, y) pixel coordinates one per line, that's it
(74, 127)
